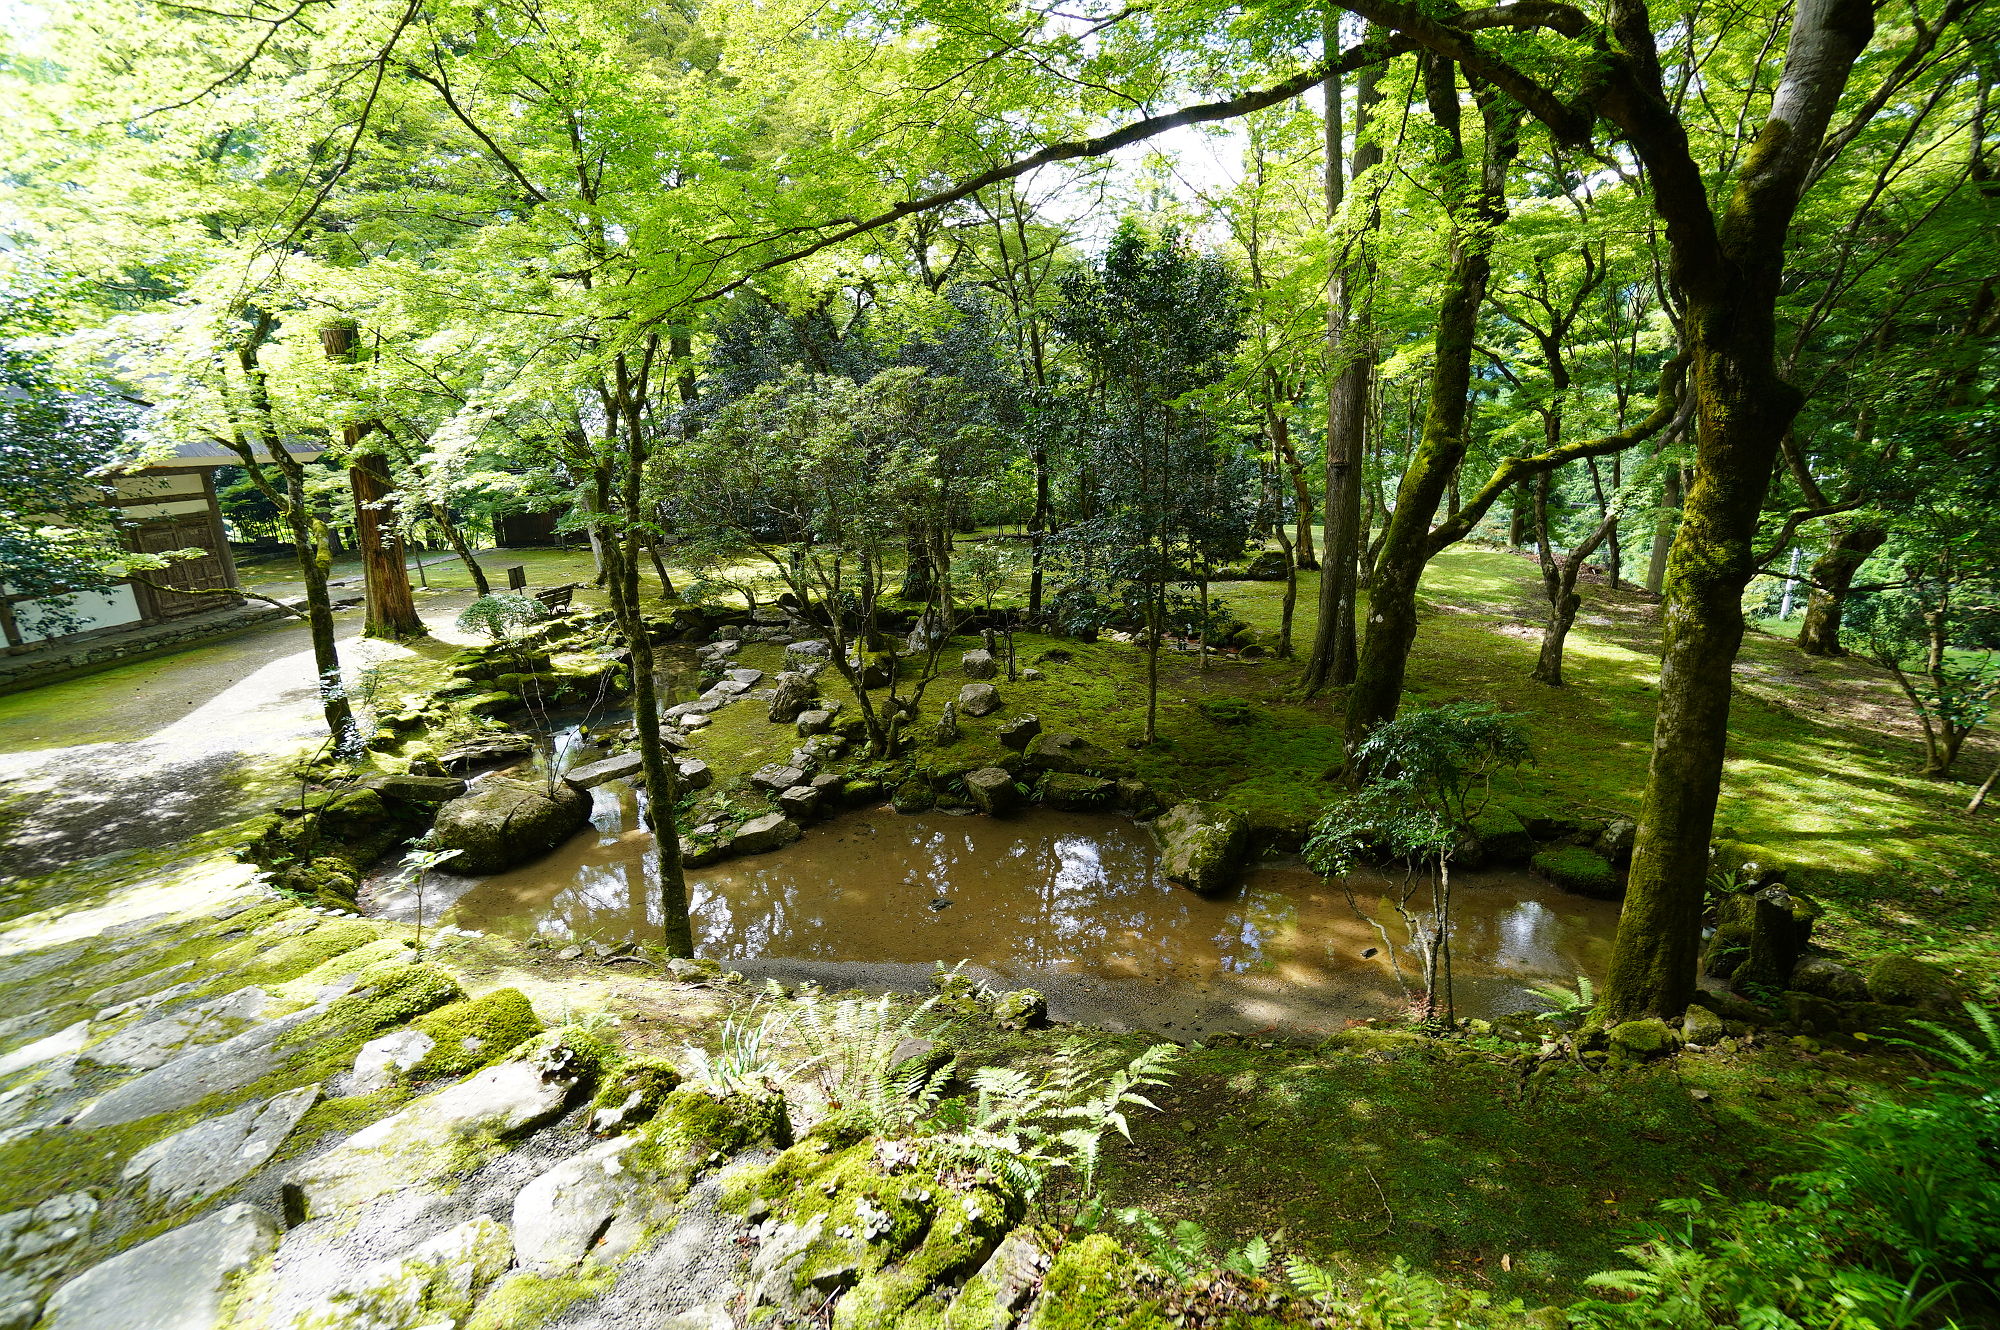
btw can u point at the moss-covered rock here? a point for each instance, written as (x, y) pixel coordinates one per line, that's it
(1202, 845)
(913, 796)
(469, 1035)
(1079, 794)
(1905, 981)
(1640, 1041)
(1022, 1009)
(1582, 871)
(695, 1130)
(1497, 836)
(1096, 1284)
(1073, 754)
(508, 822)
(632, 1095)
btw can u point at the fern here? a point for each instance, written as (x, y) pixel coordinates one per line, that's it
(850, 1049)
(1567, 1003)
(1023, 1128)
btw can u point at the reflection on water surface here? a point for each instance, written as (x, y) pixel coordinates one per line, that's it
(1072, 904)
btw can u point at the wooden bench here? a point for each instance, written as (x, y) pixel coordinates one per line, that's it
(557, 598)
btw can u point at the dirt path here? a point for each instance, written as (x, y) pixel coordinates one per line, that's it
(162, 749)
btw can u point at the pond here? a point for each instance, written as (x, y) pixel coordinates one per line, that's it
(1071, 904)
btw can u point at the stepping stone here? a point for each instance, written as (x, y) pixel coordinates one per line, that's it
(35, 1246)
(153, 1043)
(411, 1147)
(769, 832)
(749, 678)
(573, 1211)
(212, 1155)
(198, 1073)
(376, 1065)
(172, 993)
(60, 1044)
(147, 988)
(776, 778)
(175, 1282)
(453, 1269)
(593, 774)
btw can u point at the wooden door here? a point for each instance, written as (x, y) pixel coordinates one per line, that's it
(208, 573)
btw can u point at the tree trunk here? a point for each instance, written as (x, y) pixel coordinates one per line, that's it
(1392, 601)
(1038, 527)
(1832, 576)
(621, 548)
(392, 609)
(1332, 659)
(456, 539)
(1663, 529)
(1743, 409)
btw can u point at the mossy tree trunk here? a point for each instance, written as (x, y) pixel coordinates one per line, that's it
(1406, 543)
(1832, 578)
(1349, 363)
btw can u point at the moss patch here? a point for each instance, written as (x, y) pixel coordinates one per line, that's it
(473, 1034)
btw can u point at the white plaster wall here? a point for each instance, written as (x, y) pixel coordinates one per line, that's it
(97, 609)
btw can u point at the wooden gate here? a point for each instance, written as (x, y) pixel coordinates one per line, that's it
(208, 573)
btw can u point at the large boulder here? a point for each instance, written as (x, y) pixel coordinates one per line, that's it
(508, 822)
(991, 790)
(1072, 754)
(979, 699)
(1905, 981)
(485, 751)
(796, 692)
(1824, 977)
(1203, 845)
(179, 1279)
(978, 664)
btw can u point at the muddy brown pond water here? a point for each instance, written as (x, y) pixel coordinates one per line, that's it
(1071, 904)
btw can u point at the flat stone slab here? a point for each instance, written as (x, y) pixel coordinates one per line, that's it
(153, 1043)
(218, 1153)
(175, 1282)
(749, 678)
(58, 1045)
(452, 1269)
(592, 774)
(379, 1061)
(146, 988)
(413, 1146)
(197, 1074)
(35, 1245)
(575, 1210)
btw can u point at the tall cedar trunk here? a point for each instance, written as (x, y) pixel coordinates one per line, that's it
(1392, 602)
(1730, 278)
(1038, 526)
(1832, 576)
(919, 572)
(392, 607)
(385, 575)
(1663, 528)
(1332, 660)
